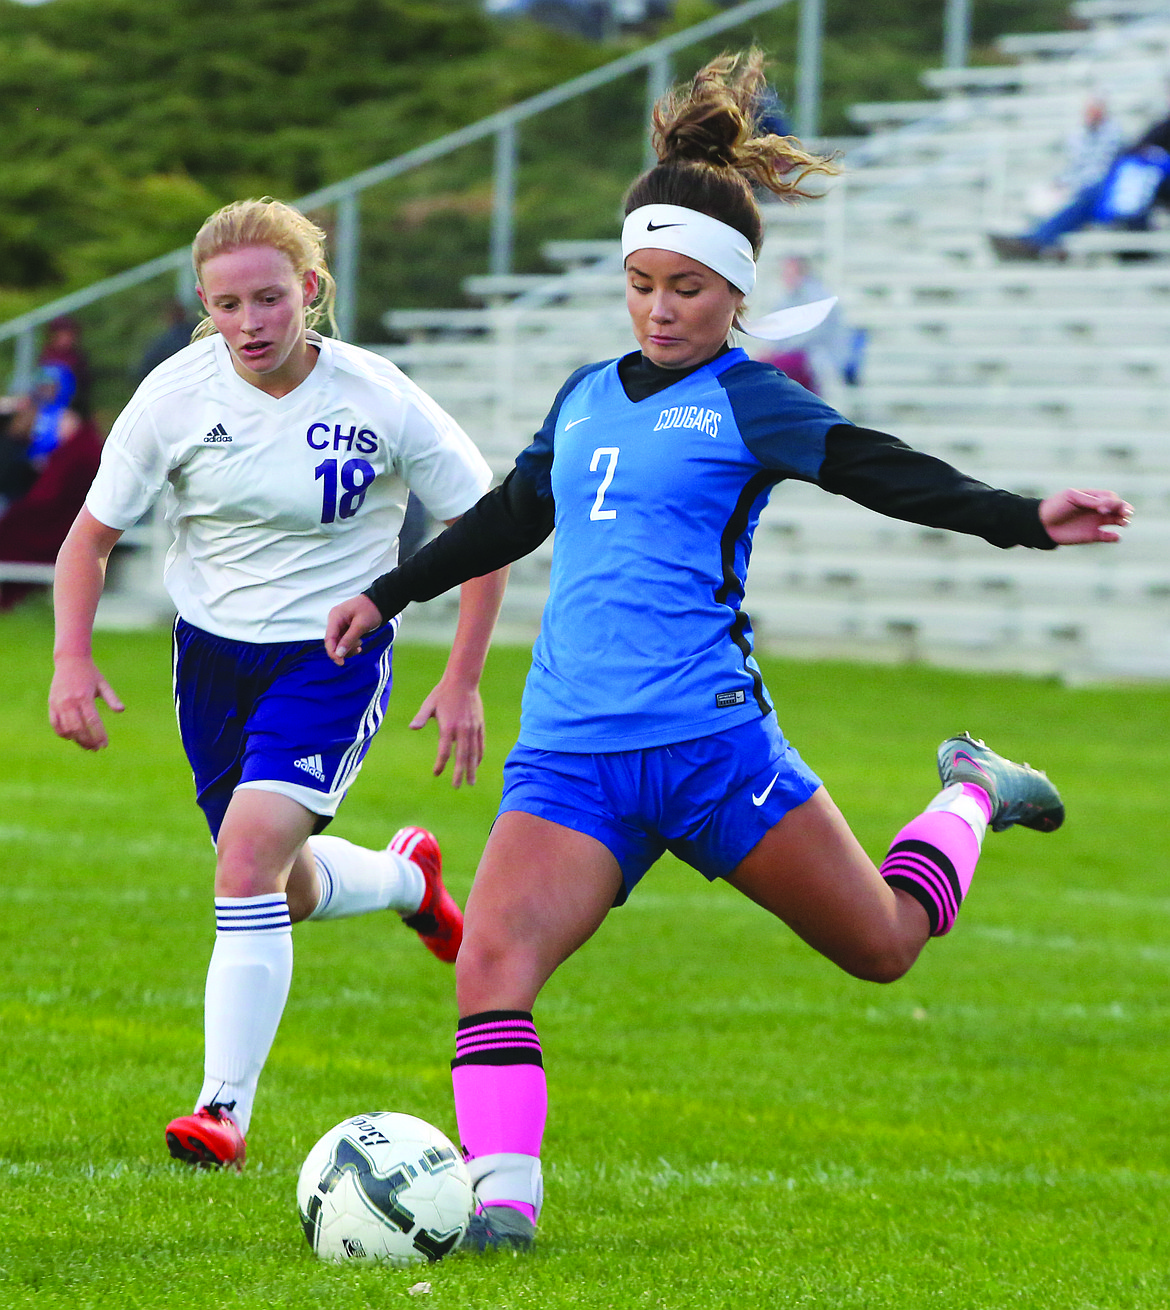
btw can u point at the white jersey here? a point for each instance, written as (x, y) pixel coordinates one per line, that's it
(280, 508)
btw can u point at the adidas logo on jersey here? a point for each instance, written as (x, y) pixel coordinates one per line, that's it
(311, 764)
(690, 416)
(218, 434)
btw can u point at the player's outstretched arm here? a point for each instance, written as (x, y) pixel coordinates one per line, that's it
(455, 703)
(505, 524)
(77, 682)
(1074, 518)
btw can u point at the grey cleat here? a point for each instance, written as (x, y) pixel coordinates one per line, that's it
(1019, 793)
(499, 1228)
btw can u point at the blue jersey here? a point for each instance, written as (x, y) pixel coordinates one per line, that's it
(643, 640)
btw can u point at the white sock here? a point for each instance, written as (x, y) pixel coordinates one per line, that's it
(505, 1178)
(247, 985)
(356, 880)
(954, 800)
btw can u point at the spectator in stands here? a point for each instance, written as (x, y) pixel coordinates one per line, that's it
(54, 393)
(63, 351)
(825, 356)
(16, 470)
(596, 20)
(1157, 138)
(177, 334)
(1106, 184)
(36, 523)
(63, 380)
(771, 114)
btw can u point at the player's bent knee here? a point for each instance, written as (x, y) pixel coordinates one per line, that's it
(240, 874)
(882, 971)
(880, 966)
(241, 887)
(494, 976)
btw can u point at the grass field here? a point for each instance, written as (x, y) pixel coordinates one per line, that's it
(733, 1122)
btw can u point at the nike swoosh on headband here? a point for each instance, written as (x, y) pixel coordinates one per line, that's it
(688, 232)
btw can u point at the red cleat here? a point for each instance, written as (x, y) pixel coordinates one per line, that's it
(208, 1139)
(438, 920)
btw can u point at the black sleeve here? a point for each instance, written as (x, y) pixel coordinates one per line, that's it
(510, 521)
(884, 474)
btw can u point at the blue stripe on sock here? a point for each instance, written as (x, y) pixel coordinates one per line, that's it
(251, 914)
(328, 883)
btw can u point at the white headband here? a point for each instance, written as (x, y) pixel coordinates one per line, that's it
(722, 248)
(687, 232)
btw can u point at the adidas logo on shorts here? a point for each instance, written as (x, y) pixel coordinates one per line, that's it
(311, 764)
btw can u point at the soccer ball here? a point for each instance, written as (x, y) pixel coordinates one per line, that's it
(384, 1186)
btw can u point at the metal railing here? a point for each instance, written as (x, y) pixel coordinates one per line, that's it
(655, 59)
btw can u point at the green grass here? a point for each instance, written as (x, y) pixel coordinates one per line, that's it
(733, 1122)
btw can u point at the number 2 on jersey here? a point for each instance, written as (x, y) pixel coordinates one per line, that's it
(611, 453)
(356, 477)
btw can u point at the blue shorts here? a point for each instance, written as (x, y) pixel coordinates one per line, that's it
(708, 801)
(277, 716)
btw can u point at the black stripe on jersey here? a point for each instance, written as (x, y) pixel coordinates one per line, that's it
(736, 527)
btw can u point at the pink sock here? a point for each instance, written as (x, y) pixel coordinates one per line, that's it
(933, 858)
(501, 1098)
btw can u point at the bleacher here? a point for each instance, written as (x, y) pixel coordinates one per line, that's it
(1031, 376)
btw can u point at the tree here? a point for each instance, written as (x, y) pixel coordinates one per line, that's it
(130, 120)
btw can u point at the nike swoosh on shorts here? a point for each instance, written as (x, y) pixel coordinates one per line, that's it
(763, 796)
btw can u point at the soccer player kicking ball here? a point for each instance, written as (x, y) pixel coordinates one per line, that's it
(284, 458)
(646, 725)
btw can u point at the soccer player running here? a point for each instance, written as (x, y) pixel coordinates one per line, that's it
(283, 459)
(646, 725)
